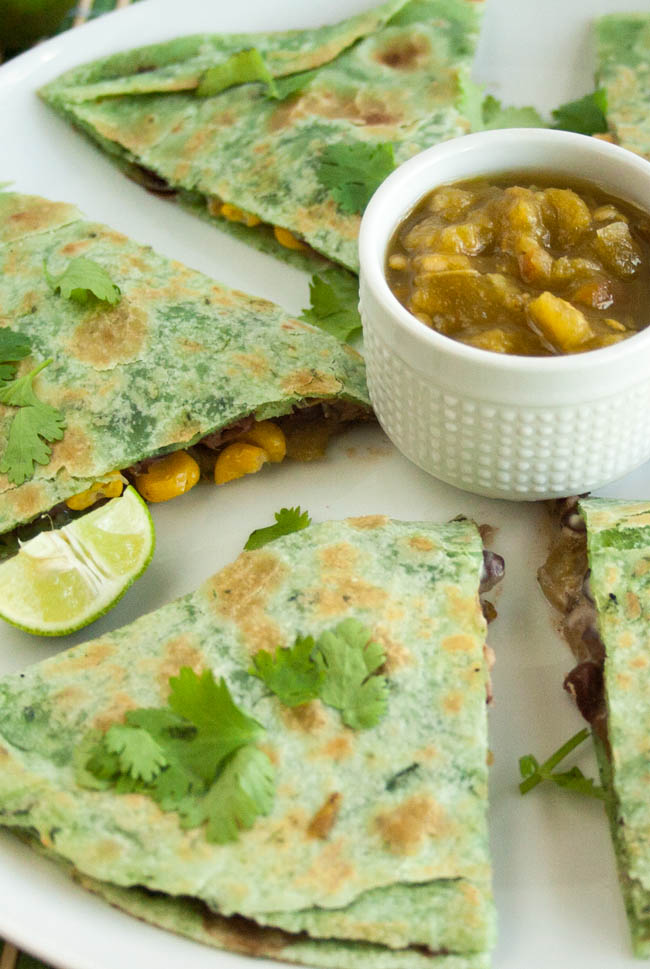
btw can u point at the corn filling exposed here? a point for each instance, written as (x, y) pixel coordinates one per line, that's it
(521, 268)
(234, 214)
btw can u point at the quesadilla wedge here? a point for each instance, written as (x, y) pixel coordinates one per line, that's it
(179, 364)
(622, 59)
(301, 127)
(373, 849)
(598, 575)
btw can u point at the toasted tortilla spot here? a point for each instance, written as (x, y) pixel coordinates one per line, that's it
(406, 826)
(74, 452)
(453, 702)
(38, 214)
(338, 748)
(75, 248)
(308, 717)
(368, 522)
(177, 653)
(70, 697)
(325, 818)
(240, 592)
(639, 662)
(107, 337)
(257, 364)
(403, 53)
(348, 594)
(84, 658)
(27, 500)
(642, 567)
(104, 850)
(626, 639)
(463, 608)
(310, 383)
(330, 869)
(397, 654)
(338, 557)
(120, 704)
(421, 544)
(632, 605)
(458, 644)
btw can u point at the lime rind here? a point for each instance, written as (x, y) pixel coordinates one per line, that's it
(63, 580)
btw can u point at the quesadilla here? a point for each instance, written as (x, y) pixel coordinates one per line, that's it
(598, 575)
(179, 364)
(373, 849)
(622, 60)
(301, 127)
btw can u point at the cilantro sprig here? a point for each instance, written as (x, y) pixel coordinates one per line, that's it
(13, 347)
(353, 172)
(334, 297)
(287, 521)
(33, 426)
(533, 773)
(244, 67)
(340, 668)
(196, 756)
(83, 278)
(587, 115)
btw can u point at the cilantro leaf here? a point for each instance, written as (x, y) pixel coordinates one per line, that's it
(291, 84)
(352, 172)
(534, 773)
(587, 115)
(334, 296)
(243, 67)
(82, 278)
(287, 521)
(221, 726)
(13, 347)
(242, 792)
(139, 754)
(291, 673)
(35, 424)
(348, 660)
(495, 115)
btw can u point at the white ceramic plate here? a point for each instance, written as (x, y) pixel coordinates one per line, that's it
(555, 881)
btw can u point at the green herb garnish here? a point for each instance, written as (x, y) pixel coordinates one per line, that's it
(339, 668)
(195, 756)
(83, 278)
(13, 347)
(291, 84)
(495, 115)
(534, 773)
(33, 426)
(353, 172)
(290, 673)
(334, 296)
(244, 67)
(287, 521)
(587, 115)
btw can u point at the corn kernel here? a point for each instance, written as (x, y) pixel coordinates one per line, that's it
(287, 239)
(168, 477)
(235, 214)
(268, 436)
(110, 488)
(238, 459)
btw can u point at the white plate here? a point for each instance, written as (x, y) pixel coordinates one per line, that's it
(555, 880)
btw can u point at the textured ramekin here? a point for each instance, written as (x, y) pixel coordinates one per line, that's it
(504, 426)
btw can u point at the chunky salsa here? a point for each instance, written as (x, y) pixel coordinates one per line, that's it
(525, 267)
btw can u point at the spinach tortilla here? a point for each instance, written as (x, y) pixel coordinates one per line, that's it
(402, 878)
(623, 70)
(396, 74)
(178, 358)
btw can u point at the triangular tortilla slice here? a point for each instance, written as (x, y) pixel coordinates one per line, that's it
(623, 70)
(404, 867)
(178, 358)
(392, 75)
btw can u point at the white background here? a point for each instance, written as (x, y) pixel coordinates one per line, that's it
(555, 882)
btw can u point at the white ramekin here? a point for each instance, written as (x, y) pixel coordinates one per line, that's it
(503, 426)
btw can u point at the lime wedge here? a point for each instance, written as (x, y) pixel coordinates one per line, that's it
(62, 580)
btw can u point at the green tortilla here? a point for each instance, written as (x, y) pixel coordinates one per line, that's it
(179, 357)
(623, 70)
(404, 873)
(618, 536)
(396, 74)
